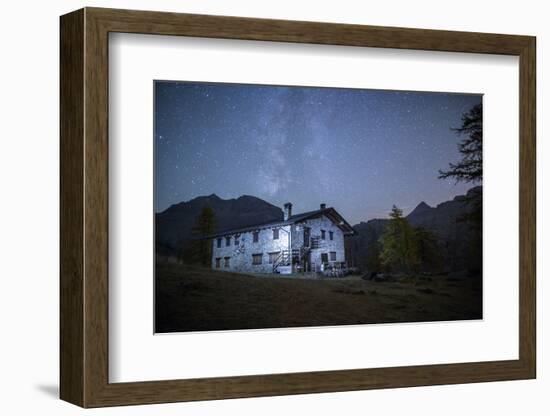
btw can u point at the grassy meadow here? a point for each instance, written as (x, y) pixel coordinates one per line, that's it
(190, 298)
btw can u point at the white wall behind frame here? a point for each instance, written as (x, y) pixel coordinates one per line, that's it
(29, 212)
(136, 60)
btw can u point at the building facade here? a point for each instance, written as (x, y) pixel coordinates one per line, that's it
(308, 242)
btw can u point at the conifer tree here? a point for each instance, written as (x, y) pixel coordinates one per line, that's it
(200, 250)
(428, 249)
(399, 248)
(470, 167)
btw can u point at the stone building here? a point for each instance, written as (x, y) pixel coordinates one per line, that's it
(308, 242)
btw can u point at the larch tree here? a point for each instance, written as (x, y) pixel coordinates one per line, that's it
(399, 248)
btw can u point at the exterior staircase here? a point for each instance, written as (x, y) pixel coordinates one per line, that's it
(286, 259)
(283, 259)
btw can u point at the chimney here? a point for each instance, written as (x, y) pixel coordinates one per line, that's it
(323, 206)
(288, 211)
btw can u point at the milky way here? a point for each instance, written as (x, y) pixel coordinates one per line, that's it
(360, 151)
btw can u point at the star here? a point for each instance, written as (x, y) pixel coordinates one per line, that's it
(305, 144)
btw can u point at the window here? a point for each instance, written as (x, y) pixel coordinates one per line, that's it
(255, 236)
(226, 261)
(218, 261)
(257, 259)
(274, 256)
(331, 235)
(219, 242)
(227, 241)
(324, 258)
(275, 233)
(323, 234)
(237, 240)
(333, 256)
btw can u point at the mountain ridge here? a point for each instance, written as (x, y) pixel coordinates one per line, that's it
(444, 221)
(173, 226)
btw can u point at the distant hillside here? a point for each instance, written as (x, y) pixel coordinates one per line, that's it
(454, 236)
(174, 225)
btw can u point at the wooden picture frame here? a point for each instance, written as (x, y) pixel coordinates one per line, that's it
(84, 207)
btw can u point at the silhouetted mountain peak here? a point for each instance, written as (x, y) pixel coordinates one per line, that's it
(420, 209)
(445, 221)
(251, 199)
(174, 225)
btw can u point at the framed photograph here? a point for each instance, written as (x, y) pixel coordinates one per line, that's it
(257, 207)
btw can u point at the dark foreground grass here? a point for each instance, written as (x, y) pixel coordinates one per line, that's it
(195, 299)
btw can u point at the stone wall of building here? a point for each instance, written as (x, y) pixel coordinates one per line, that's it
(327, 245)
(241, 255)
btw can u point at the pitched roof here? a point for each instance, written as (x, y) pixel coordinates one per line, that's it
(330, 213)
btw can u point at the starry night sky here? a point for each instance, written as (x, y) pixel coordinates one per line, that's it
(360, 151)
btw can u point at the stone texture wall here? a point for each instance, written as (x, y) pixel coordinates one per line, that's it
(241, 254)
(326, 245)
